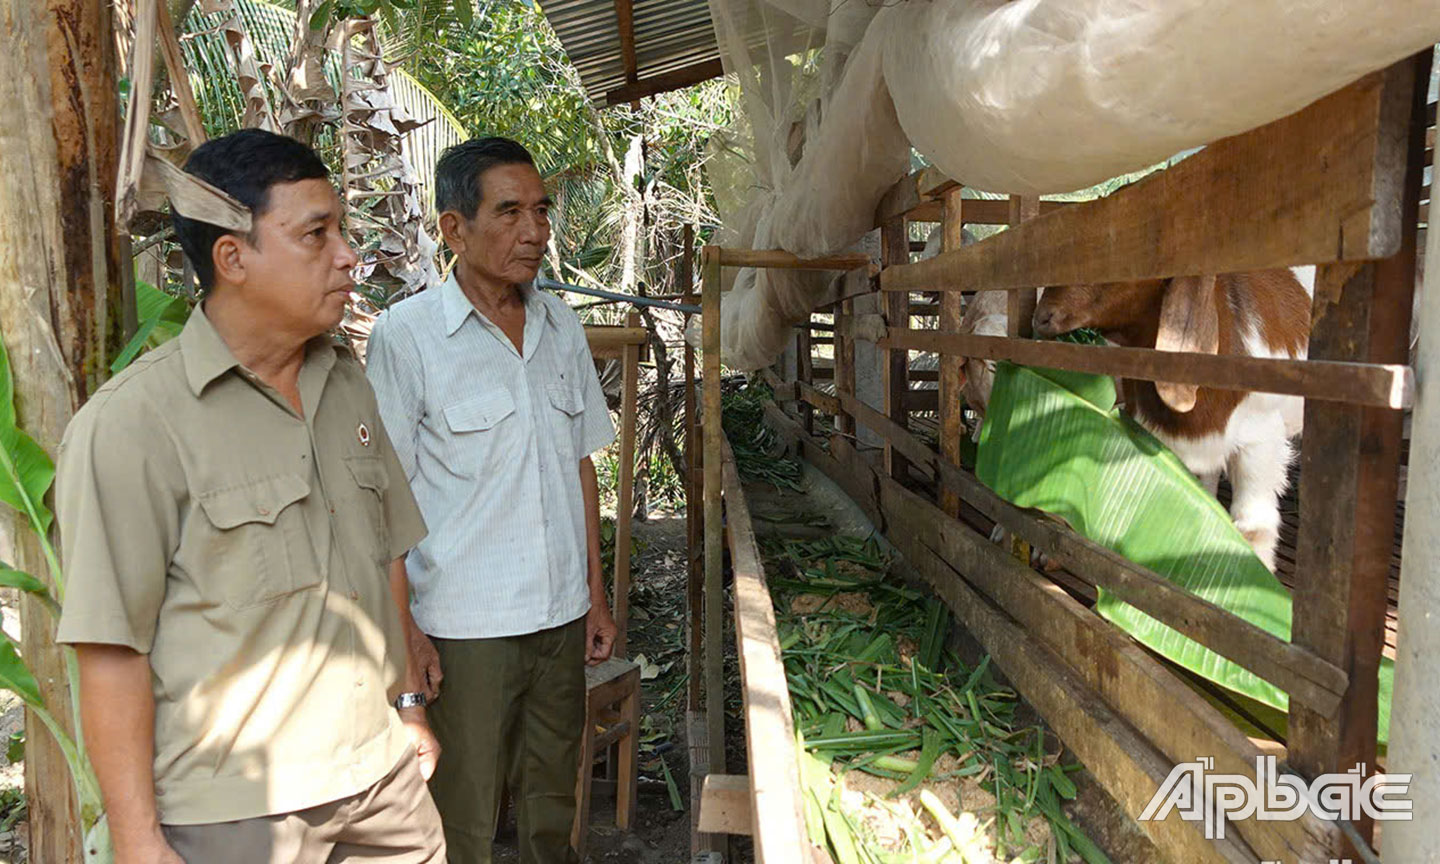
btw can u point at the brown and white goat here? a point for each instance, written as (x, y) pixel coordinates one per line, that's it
(1244, 434)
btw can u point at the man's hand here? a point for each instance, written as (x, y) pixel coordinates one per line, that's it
(427, 747)
(600, 633)
(427, 663)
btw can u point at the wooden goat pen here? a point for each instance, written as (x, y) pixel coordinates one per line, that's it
(1337, 185)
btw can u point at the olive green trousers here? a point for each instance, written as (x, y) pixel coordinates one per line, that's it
(511, 712)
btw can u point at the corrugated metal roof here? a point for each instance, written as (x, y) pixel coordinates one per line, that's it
(669, 35)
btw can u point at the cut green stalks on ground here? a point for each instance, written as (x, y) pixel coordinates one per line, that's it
(876, 694)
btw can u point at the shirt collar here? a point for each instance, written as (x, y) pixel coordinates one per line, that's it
(207, 357)
(456, 307)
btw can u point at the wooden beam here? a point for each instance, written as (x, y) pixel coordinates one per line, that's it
(725, 805)
(625, 24)
(1224, 209)
(625, 495)
(1377, 385)
(1349, 466)
(779, 259)
(909, 192)
(776, 803)
(714, 439)
(608, 338)
(665, 82)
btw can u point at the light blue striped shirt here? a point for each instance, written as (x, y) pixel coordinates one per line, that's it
(492, 441)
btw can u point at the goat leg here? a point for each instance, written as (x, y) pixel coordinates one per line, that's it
(1258, 474)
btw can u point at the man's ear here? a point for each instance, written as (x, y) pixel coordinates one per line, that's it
(451, 225)
(227, 260)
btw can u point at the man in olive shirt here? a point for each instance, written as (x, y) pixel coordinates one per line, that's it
(229, 508)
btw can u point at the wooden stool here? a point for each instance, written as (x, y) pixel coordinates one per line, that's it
(612, 716)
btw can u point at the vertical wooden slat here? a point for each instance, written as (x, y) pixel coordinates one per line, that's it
(1021, 306)
(844, 364)
(952, 368)
(625, 498)
(1349, 463)
(1019, 323)
(895, 249)
(714, 526)
(694, 536)
(805, 370)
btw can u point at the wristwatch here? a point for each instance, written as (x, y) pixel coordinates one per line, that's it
(410, 700)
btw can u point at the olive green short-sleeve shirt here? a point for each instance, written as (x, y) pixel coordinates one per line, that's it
(245, 549)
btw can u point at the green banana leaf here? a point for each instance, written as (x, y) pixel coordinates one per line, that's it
(162, 316)
(25, 469)
(1055, 441)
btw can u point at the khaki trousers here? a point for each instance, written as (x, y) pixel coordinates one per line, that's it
(511, 711)
(394, 821)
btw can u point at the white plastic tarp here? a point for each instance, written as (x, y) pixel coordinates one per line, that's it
(1027, 97)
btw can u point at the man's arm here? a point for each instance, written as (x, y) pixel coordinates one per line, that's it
(417, 670)
(600, 629)
(117, 712)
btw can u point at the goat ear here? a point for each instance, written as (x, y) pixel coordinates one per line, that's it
(1189, 321)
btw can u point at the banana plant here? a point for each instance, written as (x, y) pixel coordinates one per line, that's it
(26, 473)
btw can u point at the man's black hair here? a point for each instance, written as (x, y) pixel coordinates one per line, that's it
(458, 173)
(245, 165)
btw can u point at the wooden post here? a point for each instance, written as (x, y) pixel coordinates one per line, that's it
(1019, 320)
(694, 537)
(895, 249)
(1415, 710)
(60, 306)
(625, 499)
(805, 371)
(952, 368)
(714, 524)
(1349, 465)
(844, 364)
(1021, 307)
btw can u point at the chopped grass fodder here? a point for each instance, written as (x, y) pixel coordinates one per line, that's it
(909, 756)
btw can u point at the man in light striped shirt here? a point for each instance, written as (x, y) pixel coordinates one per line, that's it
(488, 390)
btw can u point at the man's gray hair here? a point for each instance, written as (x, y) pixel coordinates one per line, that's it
(460, 169)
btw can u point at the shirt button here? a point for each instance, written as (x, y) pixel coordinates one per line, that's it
(263, 511)
(354, 595)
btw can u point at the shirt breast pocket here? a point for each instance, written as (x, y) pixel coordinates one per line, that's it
(478, 430)
(259, 547)
(371, 483)
(567, 411)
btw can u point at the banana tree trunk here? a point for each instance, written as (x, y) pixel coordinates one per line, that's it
(59, 302)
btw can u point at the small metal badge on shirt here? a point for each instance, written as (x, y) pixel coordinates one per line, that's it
(363, 433)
